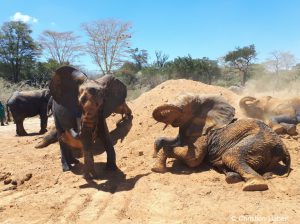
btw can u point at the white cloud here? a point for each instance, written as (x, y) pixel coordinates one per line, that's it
(18, 16)
(52, 23)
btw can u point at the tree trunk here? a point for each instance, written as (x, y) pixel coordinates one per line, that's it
(244, 78)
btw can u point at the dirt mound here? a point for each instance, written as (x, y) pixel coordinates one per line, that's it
(135, 194)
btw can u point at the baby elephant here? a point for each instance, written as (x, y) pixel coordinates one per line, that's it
(241, 149)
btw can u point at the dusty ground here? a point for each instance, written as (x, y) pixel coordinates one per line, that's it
(135, 194)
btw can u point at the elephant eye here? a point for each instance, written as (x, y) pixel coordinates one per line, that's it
(83, 99)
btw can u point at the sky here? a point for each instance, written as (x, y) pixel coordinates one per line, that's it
(200, 28)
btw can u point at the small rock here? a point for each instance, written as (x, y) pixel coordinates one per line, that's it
(7, 181)
(141, 153)
(14, 182)
(4, 176)
(208, 192)
(28, 176)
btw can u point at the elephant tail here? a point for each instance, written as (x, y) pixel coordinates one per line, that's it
(8, 113)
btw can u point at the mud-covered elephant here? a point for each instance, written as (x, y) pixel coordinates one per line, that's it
(80, 107)
(280, 114)
(66, 137)
(28, 104)
(241, 149)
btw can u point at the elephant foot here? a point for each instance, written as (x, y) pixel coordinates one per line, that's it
(159, 168)
(232, 178)
(154, 155)
(22, 134)
(111, 167)
(255, 184)
(42, 131)
(291, 130)
(278, 129)
(66, 167)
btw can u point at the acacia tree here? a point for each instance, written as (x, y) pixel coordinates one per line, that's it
(108, 43)
(140, 57)
(240, 59)
(62, 47)
(160, 59)
(17, 47)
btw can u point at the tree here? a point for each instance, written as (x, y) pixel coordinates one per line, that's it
(62, 47)
(17, 47)
(42, 72)
(240, 59)
(140, 57)
(108, 43)
(204, 70)
(160, 59)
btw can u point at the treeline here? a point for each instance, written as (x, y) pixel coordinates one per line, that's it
(109, 47)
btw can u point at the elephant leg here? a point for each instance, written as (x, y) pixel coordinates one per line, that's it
(20, 128)
(159, 143)
(89, 165)
(284, 124)
(230, 176)
(67, 158)
(235, 161)
(109, 148)
(160, 163)
(44, 121)
(290, 129)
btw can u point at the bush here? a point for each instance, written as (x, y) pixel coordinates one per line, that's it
(7, 88)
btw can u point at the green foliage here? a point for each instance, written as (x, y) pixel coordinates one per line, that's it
(203, 70)
(17, 48)
(240, 59)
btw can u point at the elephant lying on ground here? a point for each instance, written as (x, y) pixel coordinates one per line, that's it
(28, 104)
(241, 149)
(281, 115)
(80, 107)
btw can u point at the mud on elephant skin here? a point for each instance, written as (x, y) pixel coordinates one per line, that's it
(29, 104)
(80, 108)
(123, 127)
(241, 149)
(282, 115)
(195, 115)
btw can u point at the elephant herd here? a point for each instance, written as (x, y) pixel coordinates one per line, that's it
(243, 149)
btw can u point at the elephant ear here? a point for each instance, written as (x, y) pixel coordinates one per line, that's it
(216, 113)
(115, 93)
(168, 114)
(64, 86)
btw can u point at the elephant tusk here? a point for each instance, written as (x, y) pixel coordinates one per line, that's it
(74, 133)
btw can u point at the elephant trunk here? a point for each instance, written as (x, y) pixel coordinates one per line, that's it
(243, 102)
(251, 108)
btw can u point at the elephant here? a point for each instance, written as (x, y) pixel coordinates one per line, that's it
(281, 115)
(80, 108)
(241, 149)
(28, 104)
(51, 136)
(236, 89)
